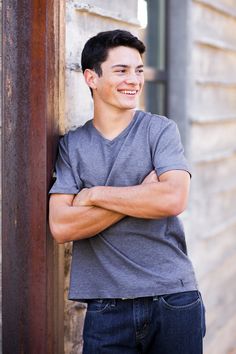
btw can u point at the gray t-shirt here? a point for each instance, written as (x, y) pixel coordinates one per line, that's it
(135, 257)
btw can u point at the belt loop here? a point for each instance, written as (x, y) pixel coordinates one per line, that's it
(155, 298)
(113, 302)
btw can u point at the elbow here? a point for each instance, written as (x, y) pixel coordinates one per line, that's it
(178, 199)
(175, 198)
(58, 233)
(177, 210)
(177, 205)
(63, 233)
(173, 206)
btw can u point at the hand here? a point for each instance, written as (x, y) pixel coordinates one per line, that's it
(151, 178)
(83, 198)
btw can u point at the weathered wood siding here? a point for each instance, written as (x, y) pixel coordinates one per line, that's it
(212, 211)
(83, 20)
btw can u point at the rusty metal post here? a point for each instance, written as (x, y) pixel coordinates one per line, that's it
(32, 320)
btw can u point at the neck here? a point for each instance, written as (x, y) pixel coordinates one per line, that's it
(112, 123)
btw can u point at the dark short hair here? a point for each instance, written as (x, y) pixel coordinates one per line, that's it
(96, 49)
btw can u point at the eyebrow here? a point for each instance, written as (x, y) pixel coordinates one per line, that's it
(126, 66)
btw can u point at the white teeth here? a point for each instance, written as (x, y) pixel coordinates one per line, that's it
(129, 92)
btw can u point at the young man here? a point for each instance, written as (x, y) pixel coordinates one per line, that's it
(122, 179)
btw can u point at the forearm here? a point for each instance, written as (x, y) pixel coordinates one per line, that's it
(151, 201)
(137, 201)
(70, 223)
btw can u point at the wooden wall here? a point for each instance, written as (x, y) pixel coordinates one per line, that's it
(212, 211)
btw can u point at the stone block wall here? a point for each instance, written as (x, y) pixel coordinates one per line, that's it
(83, 20)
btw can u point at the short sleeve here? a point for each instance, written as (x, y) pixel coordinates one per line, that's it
(66, 181)
(167, 149)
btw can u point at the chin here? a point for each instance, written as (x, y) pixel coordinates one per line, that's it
(129, 105)
(127, 108)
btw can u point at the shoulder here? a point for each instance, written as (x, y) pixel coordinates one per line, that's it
(76, 135)
(159, 126)
(161, 122)
(80, 130)
(156, 122)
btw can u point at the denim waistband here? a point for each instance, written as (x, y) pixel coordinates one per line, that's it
(151, 298)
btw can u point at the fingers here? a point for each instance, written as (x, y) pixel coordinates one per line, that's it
(76, 200)
(83, 197)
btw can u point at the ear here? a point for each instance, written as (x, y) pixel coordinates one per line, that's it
(90, 78)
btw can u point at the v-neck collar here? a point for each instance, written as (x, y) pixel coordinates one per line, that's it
(120, 135)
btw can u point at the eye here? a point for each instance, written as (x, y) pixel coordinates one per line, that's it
(120, 71)
(140, 71)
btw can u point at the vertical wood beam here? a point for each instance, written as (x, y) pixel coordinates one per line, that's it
(32, 317)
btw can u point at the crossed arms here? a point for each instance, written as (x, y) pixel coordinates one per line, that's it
(95, 209)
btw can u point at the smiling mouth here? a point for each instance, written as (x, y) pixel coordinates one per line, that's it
(129, 92)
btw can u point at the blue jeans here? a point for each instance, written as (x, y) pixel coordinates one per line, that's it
(167, 324)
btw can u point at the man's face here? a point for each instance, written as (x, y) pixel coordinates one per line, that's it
(122, 79)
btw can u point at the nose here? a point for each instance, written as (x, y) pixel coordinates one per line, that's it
(132, 78)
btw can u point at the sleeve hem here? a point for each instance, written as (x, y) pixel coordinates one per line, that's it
(160, 171)
(62, 191)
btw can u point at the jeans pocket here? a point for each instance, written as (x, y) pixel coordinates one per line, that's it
(181, 301)
(99, 305)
